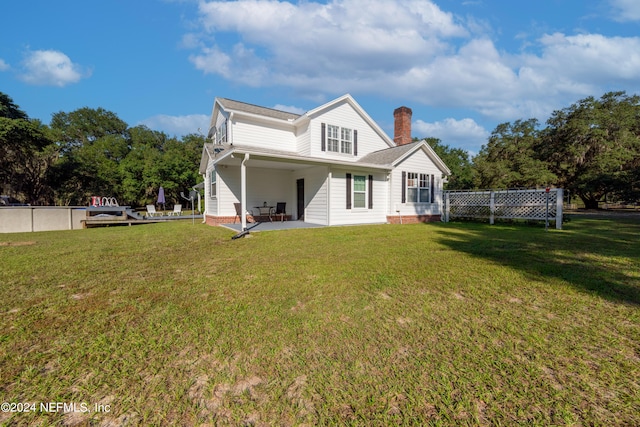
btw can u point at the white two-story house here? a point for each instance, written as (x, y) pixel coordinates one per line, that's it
(332, 165)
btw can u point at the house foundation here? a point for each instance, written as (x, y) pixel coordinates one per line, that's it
(412, 219)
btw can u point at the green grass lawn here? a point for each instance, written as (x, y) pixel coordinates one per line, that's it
(437, 324)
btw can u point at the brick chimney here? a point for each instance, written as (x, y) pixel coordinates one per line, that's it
(402, 125)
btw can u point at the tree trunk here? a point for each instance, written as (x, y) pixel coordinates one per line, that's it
(589, 202)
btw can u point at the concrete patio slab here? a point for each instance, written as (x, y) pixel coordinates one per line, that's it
(271, 226)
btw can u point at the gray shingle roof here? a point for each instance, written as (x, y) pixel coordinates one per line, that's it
(388, 155)
(230, 104)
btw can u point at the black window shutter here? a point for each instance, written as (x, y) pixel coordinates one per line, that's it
(370, 191)
(433, 185)
(348, 191)
(323, 133)
(355, 142)
(404, 187)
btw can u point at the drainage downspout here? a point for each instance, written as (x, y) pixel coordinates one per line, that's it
(329, 178)
(243, 190)
(204, 212)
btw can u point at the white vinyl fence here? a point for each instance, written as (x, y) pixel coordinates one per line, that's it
(537, 204)
(20, 219)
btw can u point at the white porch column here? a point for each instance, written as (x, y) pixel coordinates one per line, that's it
(492, 206)
(243, 191)
(329, 178)
(559, 198)
(447, 209)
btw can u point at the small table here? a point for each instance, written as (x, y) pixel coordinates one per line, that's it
(265, 211)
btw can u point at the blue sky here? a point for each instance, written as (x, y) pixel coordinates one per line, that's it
(462, 66)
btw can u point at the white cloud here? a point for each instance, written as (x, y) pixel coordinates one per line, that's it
(591, 57)
(3, 65)
(410, 50)
(626, 10)
(178, 125)
(50, 67)
(308, 41)
(465, 133)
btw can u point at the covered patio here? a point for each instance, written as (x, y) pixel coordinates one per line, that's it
(249, 179)
(272, 226)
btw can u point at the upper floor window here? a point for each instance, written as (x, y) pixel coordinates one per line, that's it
(345, 140)
(332, 138)
(221, 133)
(339, 140)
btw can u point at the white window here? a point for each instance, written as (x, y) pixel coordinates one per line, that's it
(339, 140)
(345, 140)
(221, 133)
(332, 138)
(359, 191)
(418, 188)
(213, 184)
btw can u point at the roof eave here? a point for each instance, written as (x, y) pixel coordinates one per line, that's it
(304, 159)
(430, 153)
(204, 159)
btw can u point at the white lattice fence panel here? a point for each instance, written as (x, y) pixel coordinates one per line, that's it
(524, 204)
(470, 205)
(505, 204)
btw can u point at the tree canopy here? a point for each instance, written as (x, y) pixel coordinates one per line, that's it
(24, 153)
(510, 158)
(91, 152)
(591, 148)
(458, 161)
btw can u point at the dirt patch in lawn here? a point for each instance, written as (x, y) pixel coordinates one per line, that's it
(25, 243)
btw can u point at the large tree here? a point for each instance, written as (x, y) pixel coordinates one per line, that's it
(140, 174)
(593, 146)
(156, 160)
(92, 143)
(84, 126)
(180, 161)
(9, 110)
(25, 154)
(90, 152)
(510, 158)
(457, 160)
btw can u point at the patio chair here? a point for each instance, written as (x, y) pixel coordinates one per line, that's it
(177, 210)
(238, 207)
(280, 210)
(151, 211)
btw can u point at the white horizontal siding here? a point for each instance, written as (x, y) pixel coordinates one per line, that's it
(344, 115)
(228, 186)
(303, 137)
(210, 205)
(222, 116)
(340, 215)
(418, 162)
(270, 186)
(263, 185)
(265, 135)
(315, 194)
